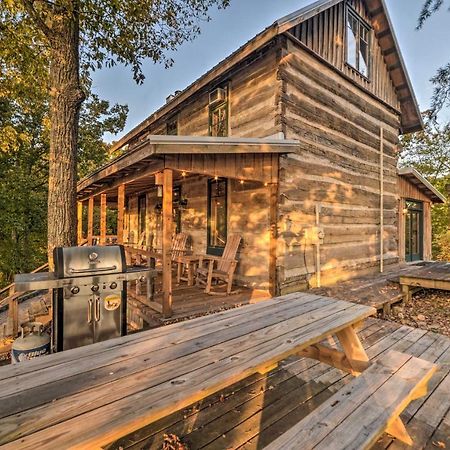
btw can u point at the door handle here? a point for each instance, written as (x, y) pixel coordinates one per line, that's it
(97, 309)
(89, 314)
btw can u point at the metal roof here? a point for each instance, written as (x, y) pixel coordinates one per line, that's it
(416, 178)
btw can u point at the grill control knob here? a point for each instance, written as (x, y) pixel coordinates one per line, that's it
(113, 285)
(75, 290)
(142, 278)
(95, 288)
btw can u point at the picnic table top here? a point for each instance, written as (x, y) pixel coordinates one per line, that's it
(90, 396)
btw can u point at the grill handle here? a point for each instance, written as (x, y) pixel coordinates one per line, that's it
(94, 269)
(97, 309)
(89, 318)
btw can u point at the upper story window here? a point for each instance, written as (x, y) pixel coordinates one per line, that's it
(358, 43)
(218, 112)
(172, 126)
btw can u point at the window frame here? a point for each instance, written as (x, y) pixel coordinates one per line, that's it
(210, 249)
(415, 206)
(177, 211)
(349, 11)
(141, 209)
(213, 108)
(171, 120)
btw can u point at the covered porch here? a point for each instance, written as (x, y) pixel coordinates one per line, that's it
(208, 188)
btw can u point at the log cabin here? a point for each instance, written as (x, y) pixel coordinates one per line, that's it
(292, 142)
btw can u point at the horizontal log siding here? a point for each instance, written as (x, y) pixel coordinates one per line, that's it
(253, 102)
(338, 167)
(325, 34)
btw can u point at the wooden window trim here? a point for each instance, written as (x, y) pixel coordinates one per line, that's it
(349, 10)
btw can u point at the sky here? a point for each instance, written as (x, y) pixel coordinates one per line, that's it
(424, 52)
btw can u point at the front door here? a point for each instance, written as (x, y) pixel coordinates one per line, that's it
(413, 230)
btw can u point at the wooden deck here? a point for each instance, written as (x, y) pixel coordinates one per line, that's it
(189, 302)
(382, 290)
(434, 275)
(255, 411)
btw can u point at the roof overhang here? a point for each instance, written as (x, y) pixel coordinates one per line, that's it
(421, 183)
(246, 158)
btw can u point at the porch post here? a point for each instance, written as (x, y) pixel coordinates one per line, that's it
(166, 242)
(273, 218)
(120, 212)
(79, 222)
(103, 200)
(90, 232)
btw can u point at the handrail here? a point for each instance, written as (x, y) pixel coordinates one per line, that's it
(12, 285)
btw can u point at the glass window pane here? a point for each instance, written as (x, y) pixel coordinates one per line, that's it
(172, 127)
(352, 36)
(415, 233)
(142, 209)
(364, 58)
(219, 121)
(218, 214)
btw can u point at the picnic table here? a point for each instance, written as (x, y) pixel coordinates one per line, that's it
(91, 396)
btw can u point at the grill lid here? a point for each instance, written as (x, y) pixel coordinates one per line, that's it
(82, 261)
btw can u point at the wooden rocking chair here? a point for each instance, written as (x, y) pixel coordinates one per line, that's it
(219, 268)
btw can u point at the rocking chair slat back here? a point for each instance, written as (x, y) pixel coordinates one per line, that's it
(229, 252)
(179, 245)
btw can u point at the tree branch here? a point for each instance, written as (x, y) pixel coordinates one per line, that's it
(29, 6)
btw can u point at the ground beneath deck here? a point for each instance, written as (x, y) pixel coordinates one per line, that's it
(254, 412)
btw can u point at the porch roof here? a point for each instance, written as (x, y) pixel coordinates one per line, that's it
(421, 183)
(234, 157)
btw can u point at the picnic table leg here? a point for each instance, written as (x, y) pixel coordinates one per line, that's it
(397, 429)
(353, 349)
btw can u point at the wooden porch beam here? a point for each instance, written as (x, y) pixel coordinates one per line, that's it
(103, 204)
(167, 241)
(79, 222)
(120, 212)
(90, 232)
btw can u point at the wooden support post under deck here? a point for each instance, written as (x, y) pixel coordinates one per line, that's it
(167, 242)
(120, 212)
(103, 219)
(90, 232)
(79, 222)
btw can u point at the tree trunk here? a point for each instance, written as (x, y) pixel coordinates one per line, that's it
(66, 98)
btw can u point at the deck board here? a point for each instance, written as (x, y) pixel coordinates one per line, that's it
(255, 411)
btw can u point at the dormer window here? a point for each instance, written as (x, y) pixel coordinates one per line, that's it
(358, 43)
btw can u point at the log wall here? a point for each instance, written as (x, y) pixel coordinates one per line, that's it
(336, 167)
(252, 101)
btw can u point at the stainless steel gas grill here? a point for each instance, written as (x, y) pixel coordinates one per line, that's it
(89, 293)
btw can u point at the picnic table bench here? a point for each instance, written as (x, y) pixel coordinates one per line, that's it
(91, 396)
